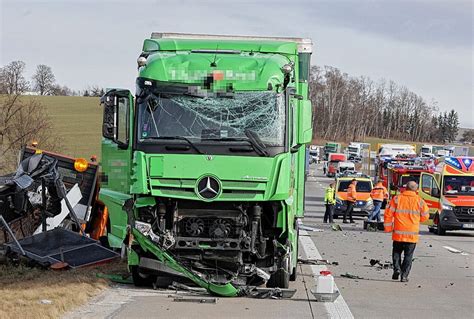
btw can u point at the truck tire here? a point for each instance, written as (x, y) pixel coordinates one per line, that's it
(141, 279)
(440, 230)
(281, 277)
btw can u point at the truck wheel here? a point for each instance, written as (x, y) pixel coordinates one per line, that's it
(281, 277)
(141, 279)
(440, 230)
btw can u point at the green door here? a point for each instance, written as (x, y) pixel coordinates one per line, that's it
(116, 159)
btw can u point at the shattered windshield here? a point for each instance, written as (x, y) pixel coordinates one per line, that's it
(213, 117)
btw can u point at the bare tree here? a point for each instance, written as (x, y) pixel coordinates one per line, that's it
(23, 120)
(43, 79)
(62, 90)
(12, 80)
(349, 108)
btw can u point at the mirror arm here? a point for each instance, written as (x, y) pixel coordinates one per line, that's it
(295, 148)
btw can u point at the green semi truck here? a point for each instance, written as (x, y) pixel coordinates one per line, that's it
(203, 169)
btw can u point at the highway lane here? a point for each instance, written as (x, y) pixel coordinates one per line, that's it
(441, 282)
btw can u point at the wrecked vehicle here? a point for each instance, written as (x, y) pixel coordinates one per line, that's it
(203, 169)
(49, 213)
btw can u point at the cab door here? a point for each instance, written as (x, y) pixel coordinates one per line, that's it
(116, 159)
(430, 192)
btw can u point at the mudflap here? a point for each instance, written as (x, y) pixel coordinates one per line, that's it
(227, 290)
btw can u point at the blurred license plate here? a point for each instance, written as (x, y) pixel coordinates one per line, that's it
(467, 225)
(356, 209)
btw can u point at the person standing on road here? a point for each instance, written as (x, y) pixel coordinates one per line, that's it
(351, 200)
(402, 218)
(378, 194)
(329, 201)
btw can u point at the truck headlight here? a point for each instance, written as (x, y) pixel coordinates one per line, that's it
(143, 228)
(446, 207)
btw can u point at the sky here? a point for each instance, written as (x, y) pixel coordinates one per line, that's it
(425, 45)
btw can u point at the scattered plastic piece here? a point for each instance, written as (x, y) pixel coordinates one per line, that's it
(46, 302)
(351, 276)
(308, 228)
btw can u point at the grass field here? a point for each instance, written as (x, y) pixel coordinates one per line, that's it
(78, 120)
(37, 293)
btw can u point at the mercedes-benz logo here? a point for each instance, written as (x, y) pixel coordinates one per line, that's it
(470, 211)
(208, 187)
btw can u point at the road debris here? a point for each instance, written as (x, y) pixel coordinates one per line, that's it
(380, 265)
(317, 262)
(46, 302)
(336, 227)
(266, 293)
(308, 228)
(180, 286)
(351, 276)
(195, 300)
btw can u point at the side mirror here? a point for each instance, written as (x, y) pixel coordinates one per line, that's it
(109, 126)
(305, 121)
(435, 192)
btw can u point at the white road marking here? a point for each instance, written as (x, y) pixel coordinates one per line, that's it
(456, 251)
(338, 308)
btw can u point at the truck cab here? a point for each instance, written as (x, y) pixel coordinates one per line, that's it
(203, 168)
(333, 161)
(449, 193)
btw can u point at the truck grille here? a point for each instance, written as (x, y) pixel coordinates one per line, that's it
(231, 189)
(464, 213)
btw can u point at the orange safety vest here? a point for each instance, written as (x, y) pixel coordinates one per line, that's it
(351, 193)
(403, 216)
(379, 192)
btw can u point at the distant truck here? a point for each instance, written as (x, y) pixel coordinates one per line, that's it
(344, 168)
(314, 154)
(449, 193)
(355, 151)
(331, 147)
(455, 150)
(333, 160)
(429, 150)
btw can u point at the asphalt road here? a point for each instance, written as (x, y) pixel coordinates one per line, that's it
(441, 282)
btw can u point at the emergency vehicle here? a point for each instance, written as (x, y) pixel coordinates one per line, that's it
(449, 193)
(396, 173)
(364, 204)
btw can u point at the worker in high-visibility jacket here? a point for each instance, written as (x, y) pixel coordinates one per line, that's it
(402, 218)
(329, 202)
(351, 201)
(378, 194)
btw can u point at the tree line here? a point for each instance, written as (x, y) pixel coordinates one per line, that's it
(43, 82)
(353, 108)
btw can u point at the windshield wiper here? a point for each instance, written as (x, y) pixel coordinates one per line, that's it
(256, 141)
(182, 138)
(254, 145)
